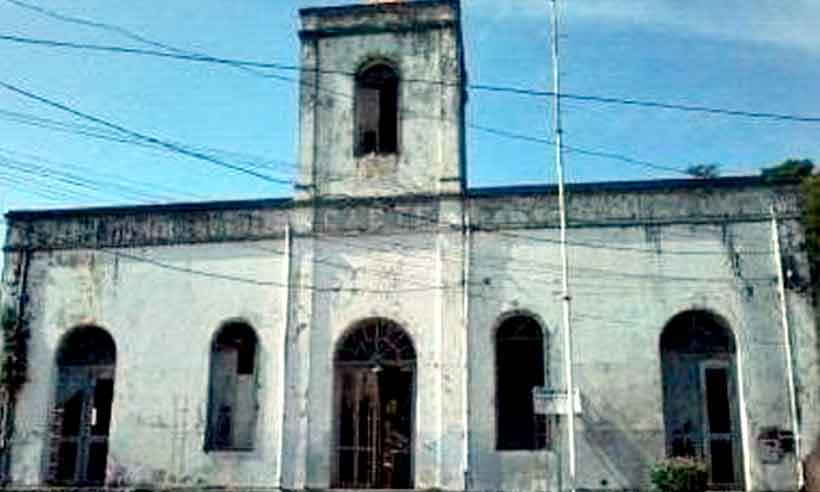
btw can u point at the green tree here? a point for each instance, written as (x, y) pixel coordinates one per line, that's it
(811, 218)
(802, 169)
(704, 171)
(789, 169)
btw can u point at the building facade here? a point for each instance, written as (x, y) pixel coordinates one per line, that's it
(387, 327)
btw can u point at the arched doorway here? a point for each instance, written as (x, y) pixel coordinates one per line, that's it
(374, 393)
(86, 360)
(700, 396)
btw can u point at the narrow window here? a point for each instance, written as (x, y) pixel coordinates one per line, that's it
(520, 368)
(377, 111)
(232, 401)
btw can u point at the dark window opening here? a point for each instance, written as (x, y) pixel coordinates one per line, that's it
(519, 368)
(103, 396)
(232, 402)
(377, 111)
(374, 394)
(82, 414)
(717, 400)
(245, 355)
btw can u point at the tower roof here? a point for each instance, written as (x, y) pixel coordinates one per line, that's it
(378, 17)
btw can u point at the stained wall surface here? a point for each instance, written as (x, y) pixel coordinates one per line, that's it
(302, 276)
(399, 236)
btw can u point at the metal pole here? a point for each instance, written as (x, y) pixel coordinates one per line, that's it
(565, 296)
(787, 346)
(283, 338)
(465, 285)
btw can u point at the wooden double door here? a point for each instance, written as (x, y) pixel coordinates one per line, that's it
(80, 425)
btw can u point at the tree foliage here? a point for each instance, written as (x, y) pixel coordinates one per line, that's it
(802, 169)
(704, 171)
(811, 219)
(789, 169)
(679, 475)
(15, 351)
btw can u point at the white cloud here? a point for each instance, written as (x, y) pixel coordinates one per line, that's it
(789, 23)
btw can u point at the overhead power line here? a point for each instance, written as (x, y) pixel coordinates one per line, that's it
(88, 23)
(257, 162)
(115, 184)
(202, 58)
(494, 131)
(647, 103)
(140, 136)
(242, 64)
(124, 32)
(269, 283)
(193, 57)
(96, 132)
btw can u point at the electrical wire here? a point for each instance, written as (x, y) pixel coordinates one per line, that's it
(193, 57)
(140, 136)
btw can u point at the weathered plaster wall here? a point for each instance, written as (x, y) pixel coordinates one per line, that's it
(639, 257)
(637, 261)
(617, 323)
(162, 321)
(337, 43)
(398, 287)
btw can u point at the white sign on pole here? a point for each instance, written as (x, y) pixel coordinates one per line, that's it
(547, 401)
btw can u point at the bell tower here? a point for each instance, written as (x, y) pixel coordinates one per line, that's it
(382, 96)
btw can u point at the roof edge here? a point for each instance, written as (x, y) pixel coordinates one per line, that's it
(357, 7)
(479, 192)
(636, 186)
(152, 208)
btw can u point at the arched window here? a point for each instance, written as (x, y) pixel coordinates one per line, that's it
(86, 360)
(519, 356)
(701, 410)
(377, 110)
(232, 403)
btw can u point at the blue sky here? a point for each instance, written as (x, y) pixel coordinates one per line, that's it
(755, 56)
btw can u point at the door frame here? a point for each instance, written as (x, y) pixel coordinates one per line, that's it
(735, 428)
(91, 375)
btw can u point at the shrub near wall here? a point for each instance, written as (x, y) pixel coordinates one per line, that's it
(679, 475)
(15, 351)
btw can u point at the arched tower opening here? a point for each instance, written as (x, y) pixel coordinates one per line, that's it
(377, 110)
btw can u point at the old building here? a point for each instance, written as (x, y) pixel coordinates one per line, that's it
(386, 327)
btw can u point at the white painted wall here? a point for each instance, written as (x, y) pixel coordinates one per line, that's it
(162, 320)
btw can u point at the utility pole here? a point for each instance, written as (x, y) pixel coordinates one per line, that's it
(565, 296)
(787, 345)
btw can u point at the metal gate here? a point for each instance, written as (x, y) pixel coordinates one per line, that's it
(374, 400)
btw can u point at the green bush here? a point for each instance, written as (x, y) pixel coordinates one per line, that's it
(14, 360)
(679, 475)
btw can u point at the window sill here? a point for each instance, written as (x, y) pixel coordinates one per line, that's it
(228, 450)
(523, 451)
(376, 165)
